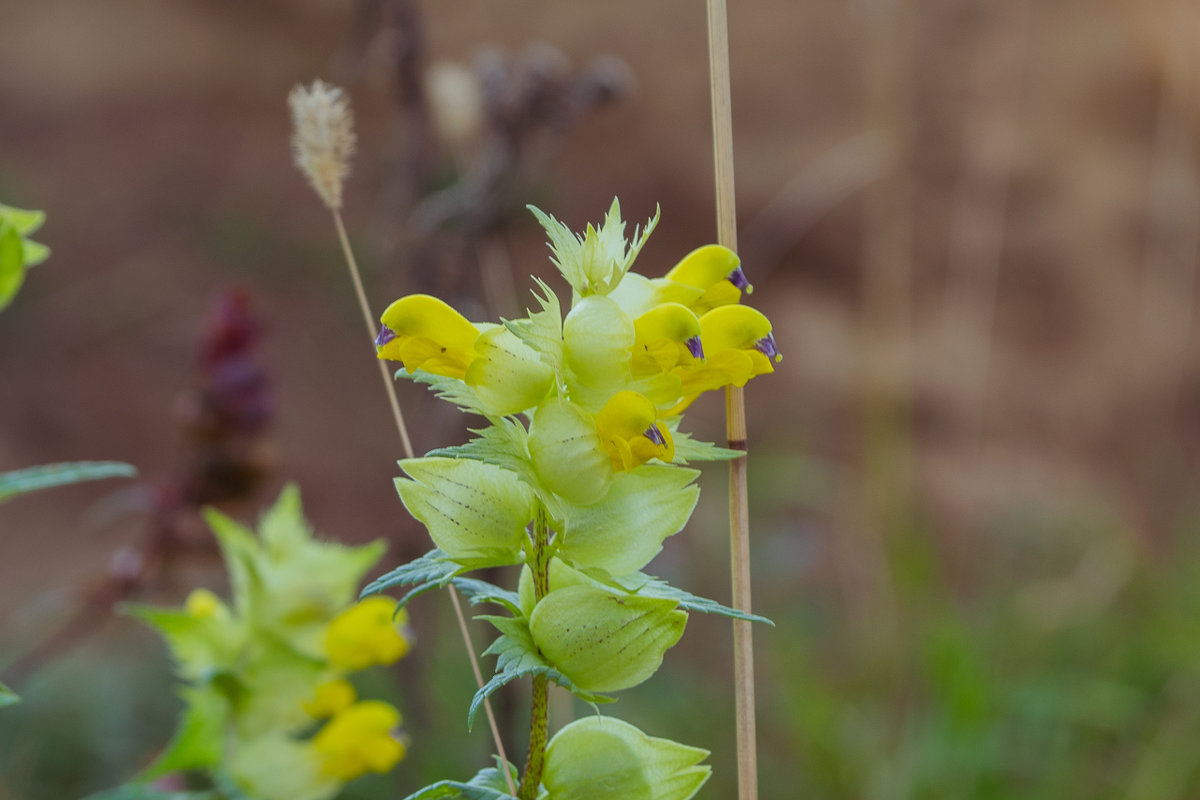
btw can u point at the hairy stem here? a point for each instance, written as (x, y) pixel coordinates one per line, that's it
(539, 563)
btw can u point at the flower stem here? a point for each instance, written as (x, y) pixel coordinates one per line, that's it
(735, 410)
(539, 564)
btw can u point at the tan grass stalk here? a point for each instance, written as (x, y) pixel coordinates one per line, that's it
(322, 143)
(735, 412)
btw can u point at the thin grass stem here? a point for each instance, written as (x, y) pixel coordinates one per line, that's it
(735, 412)
(402, 429)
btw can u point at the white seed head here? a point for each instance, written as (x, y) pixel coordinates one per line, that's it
(322, 138)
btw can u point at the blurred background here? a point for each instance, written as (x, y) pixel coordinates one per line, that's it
(975, 227)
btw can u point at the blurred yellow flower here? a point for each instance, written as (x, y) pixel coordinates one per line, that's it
(331, 697)
(366, 634)
(360, 738)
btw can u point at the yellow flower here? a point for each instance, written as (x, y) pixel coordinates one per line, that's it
(367, 634)
(714, 270)
(359, 739)
(425, 333)
(630, 432)
(666, 336)
(739, 346)
(331, 697)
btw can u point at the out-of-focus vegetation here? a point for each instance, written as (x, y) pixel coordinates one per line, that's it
(973, 479)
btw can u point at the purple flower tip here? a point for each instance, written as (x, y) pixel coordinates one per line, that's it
(766, 346)
(695, 347)
(655, 435)
(386, 334)
(738, 279)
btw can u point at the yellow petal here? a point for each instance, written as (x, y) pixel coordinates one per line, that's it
(629, 431)
(427, 334)
(714, 269)
(666, 335)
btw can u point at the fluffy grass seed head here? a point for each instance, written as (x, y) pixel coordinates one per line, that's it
(322, 138)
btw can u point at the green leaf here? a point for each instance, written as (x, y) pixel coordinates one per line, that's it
(648, 586)
(542, 330)
(451, 390)
(505, 443)
(472, 510)
(198, 740)
(25, 221)
(688, 449)
(488, 784)
(479, 592)
(34, 252)
(12, 264)
(518, 656)
(44, 477)
(431, 571)
(8, 697)
(626, 529)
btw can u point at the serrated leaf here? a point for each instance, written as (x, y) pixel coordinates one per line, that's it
(688, 449)
(518, 656)
(451, 390)
(479, 592)
(32, 479)
(505, 443)
(34, 253)
(8, 697)
(431, 571)
(542, 330)
(649, 586)
(626, 529)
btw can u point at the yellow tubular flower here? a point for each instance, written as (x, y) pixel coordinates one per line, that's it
(360, 739)
(739, 346)
(366, 634)
(666, 336)
(714, 269)
(630, 432)
(427, 334)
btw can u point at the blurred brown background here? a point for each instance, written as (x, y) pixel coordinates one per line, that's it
(975, 227)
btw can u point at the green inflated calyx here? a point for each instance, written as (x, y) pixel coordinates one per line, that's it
(605, 641)
(601, 758)
(472, 510)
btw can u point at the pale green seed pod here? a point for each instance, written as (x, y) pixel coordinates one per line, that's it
(602, 758)
(471, 509)
(598, 339)
(604, 641)
(567, 453)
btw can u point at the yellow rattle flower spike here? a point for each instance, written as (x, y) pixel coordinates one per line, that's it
(425, 333)
(630, 432)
